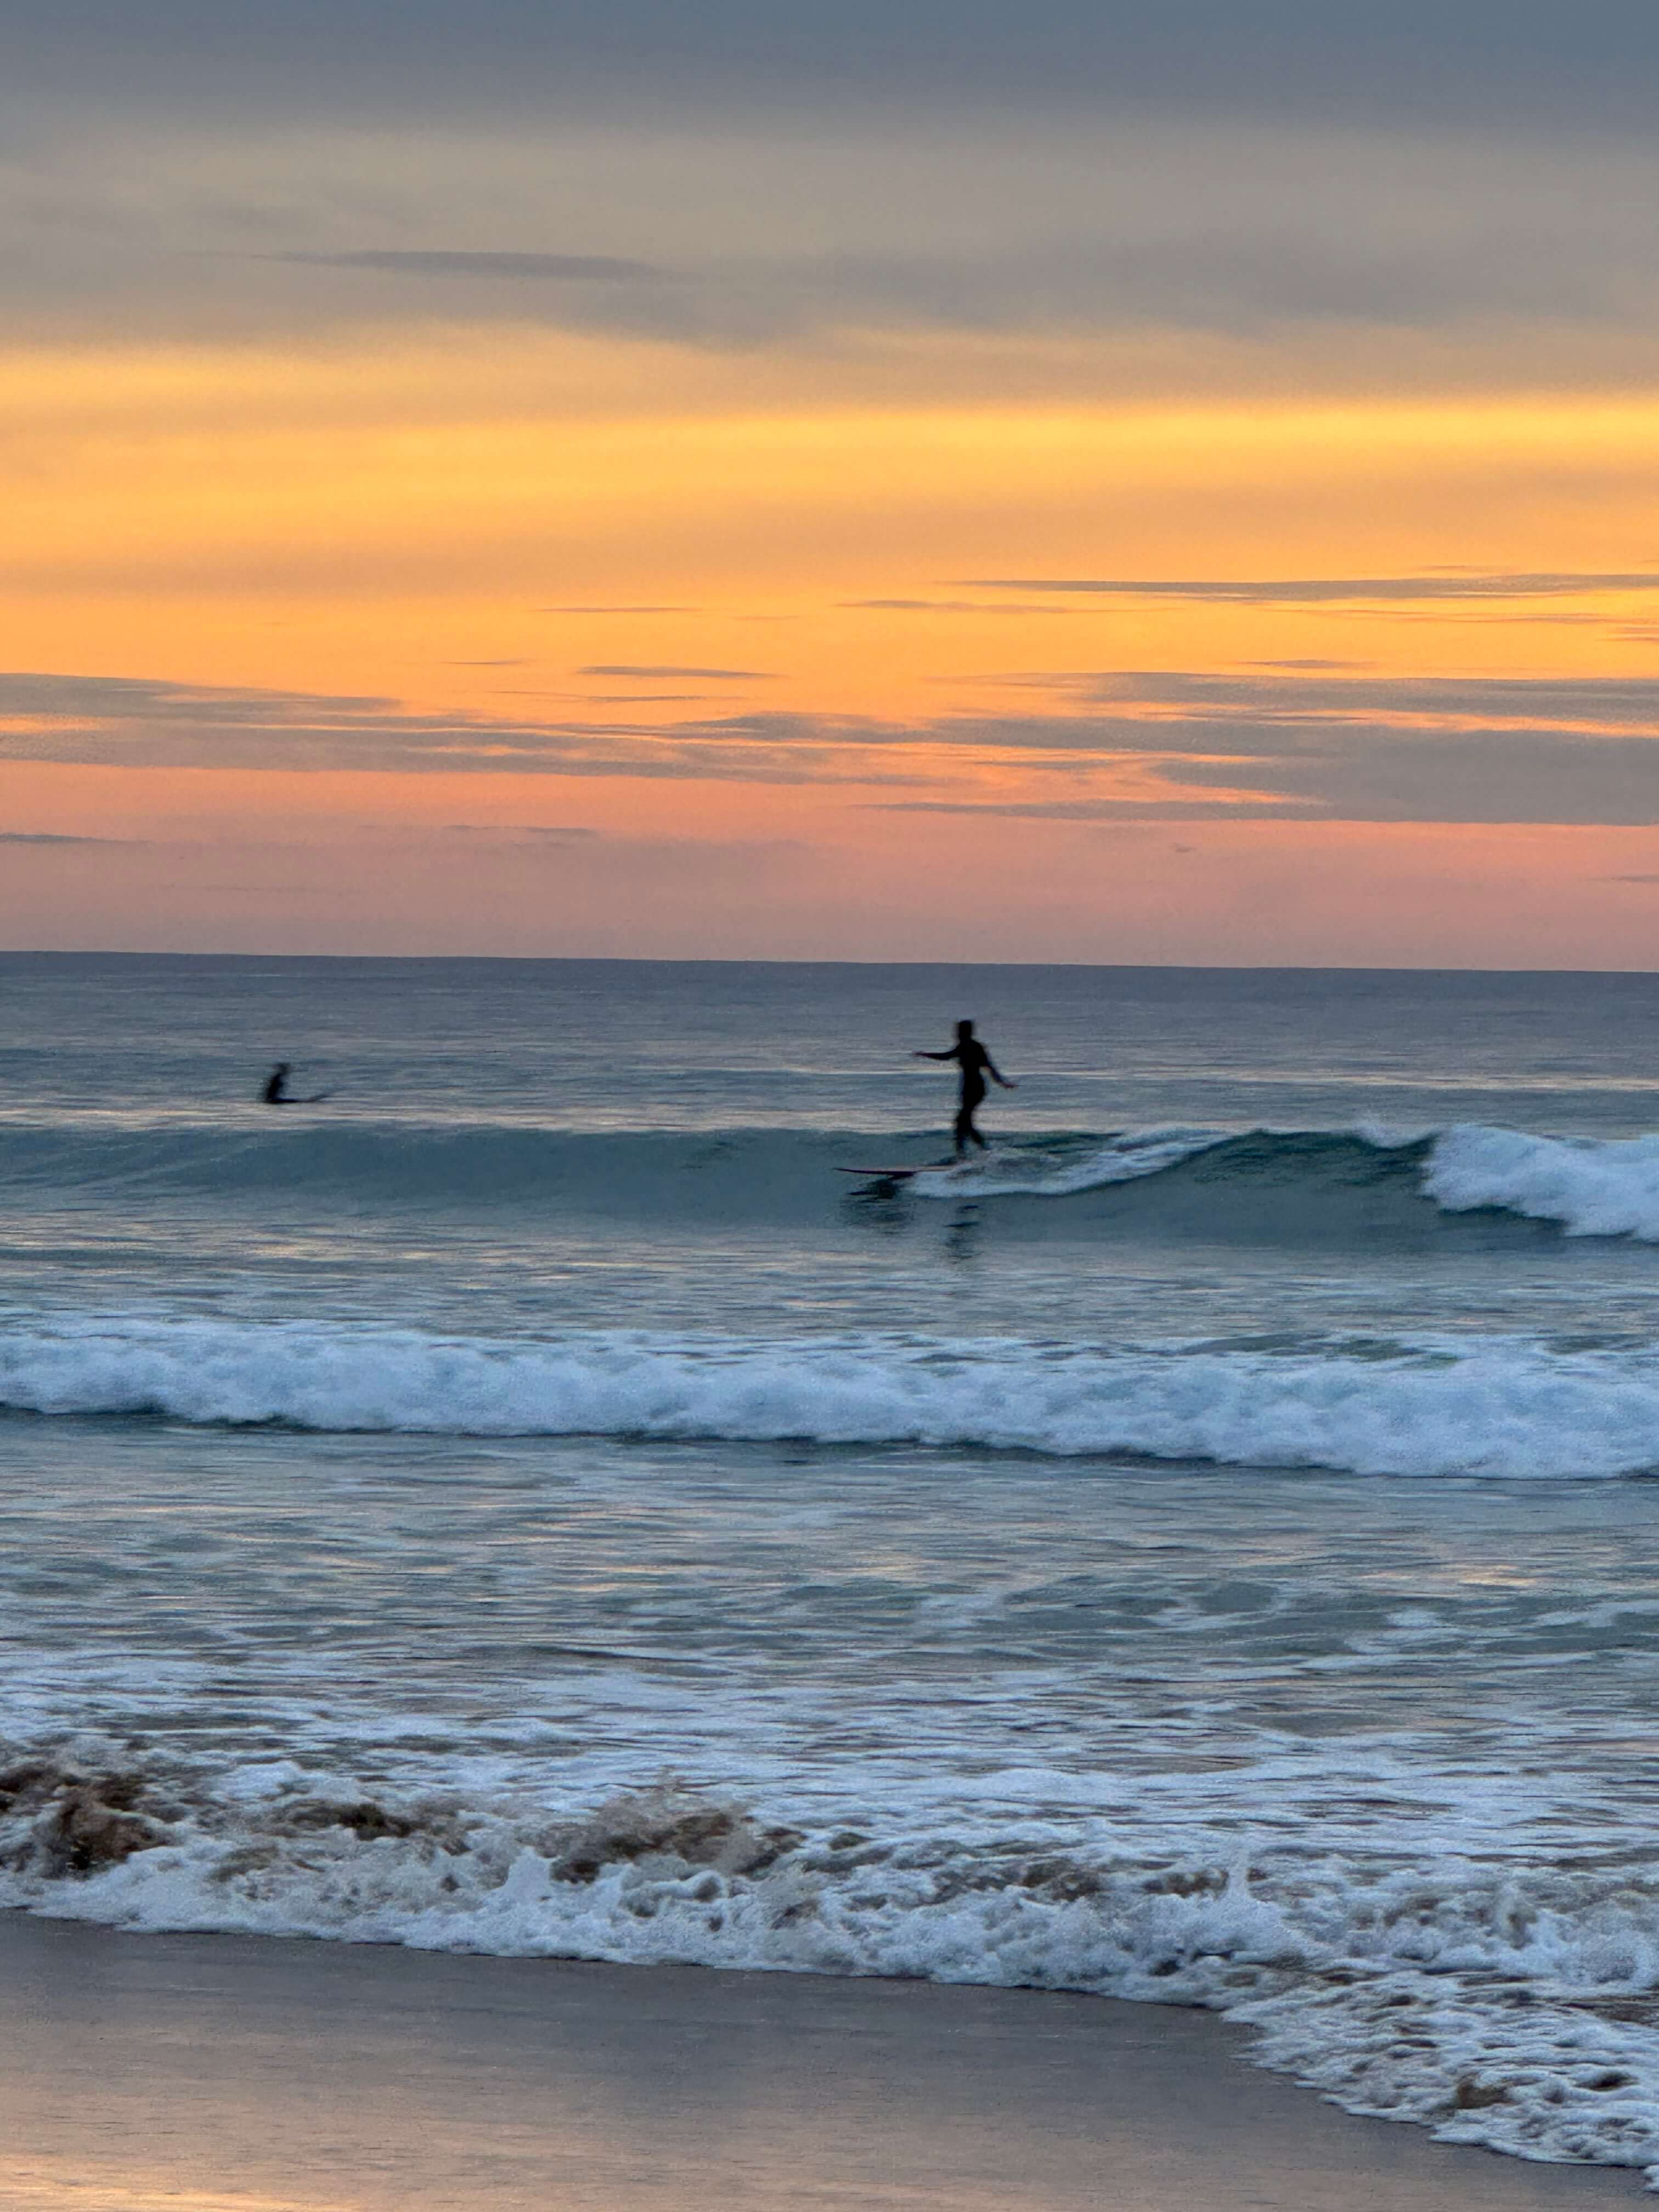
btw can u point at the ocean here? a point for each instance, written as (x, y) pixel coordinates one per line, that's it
(1204, 1550)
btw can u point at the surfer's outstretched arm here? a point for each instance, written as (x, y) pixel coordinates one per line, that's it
(949, 1054)
(997, 1075)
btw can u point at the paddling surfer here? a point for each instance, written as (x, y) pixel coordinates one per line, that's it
(276, 1092)
(975, 1064)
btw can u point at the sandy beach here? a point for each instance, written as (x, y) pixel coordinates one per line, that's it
(256, 2075)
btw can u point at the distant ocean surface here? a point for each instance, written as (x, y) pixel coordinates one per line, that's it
(1206, 1551)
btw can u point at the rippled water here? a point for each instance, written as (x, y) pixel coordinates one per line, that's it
(535, 1503)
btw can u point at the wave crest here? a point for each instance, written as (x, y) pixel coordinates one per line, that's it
(1471, 1407)
(1592, 1188)
(1282, 1186)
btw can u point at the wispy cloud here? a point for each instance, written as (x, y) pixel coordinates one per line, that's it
(536, 268)
(523, 833)
(707, 238)
(1111, 745)
(1357, 748)
(141, 721)
(1274, 273)
(1116, 812)
(1308, 591)
(946, 607)
(679, 675)
(595, 844)
(57, 837)
(1271, 704)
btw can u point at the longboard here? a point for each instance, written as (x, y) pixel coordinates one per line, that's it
(896, 1175)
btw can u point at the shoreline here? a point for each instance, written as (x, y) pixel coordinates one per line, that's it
(261, 2074)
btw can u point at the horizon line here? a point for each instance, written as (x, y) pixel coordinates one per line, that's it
(764, 960)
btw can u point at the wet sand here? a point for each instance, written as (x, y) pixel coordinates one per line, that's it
(230, 2075)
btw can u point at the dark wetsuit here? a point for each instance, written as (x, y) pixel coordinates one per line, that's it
(276, 1092)
(975, 1064)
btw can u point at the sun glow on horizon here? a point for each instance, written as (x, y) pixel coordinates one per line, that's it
(960, 614)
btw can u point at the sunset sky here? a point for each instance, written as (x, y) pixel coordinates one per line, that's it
(1077, 482)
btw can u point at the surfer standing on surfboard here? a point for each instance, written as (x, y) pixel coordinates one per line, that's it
(976, 1063)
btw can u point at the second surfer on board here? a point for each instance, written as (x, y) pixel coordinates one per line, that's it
(274, 1092)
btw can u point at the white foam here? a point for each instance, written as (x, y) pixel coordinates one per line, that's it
(1454, 1993)
(1062, 1171)
(1476, 1406)
(1592, 1188)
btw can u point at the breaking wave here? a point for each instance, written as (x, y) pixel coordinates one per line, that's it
(1462, 1406)
(1605, 1189)
(1285, 1185)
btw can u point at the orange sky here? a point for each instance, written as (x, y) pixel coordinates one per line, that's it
(341, 618)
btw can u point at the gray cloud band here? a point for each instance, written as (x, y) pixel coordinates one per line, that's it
(1268, 273)
(1495, 60)
(1303, 746)
(117, 721)
(562, 268)
(1249, 267)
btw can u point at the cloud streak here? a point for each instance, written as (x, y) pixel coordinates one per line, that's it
(542, 268)
(944, 607)
(1311, 591)
(141, 722)
(1243, 272)
(679, 675)
(1289, 700)
(1108, 746)
(922, 218)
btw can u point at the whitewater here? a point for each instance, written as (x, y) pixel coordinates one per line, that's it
(1429, 1408)
(1203, 1550)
